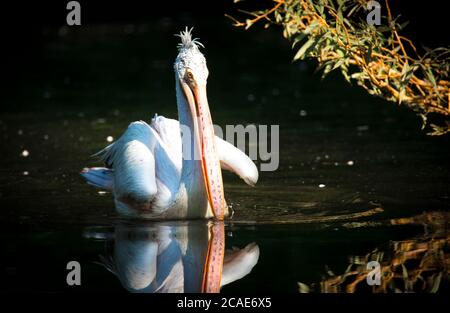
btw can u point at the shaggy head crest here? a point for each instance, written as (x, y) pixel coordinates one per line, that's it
(189, 56)
(186, 40)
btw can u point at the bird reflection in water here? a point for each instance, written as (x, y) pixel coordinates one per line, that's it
(175, 257)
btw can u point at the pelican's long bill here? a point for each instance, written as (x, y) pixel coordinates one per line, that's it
(212, 174)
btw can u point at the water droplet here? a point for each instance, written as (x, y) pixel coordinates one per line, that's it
(362, 128)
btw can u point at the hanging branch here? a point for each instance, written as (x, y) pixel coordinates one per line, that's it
(377, 58)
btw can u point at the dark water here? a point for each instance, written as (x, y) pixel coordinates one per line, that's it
(386, 194)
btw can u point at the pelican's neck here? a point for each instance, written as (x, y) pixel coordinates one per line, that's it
(191, 181)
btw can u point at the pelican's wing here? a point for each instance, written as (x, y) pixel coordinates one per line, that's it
(132, 160)
(100, 177)
(239, 263)
(234, 160)
(170, 136)
(231, 158)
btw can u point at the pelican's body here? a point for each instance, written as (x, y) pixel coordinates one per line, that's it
(170, 168)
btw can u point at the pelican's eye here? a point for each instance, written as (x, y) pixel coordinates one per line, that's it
(189, 76)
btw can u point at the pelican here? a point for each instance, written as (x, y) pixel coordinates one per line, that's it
(172, 169)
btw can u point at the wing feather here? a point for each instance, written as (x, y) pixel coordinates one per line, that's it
(236, 161)
(132, 159)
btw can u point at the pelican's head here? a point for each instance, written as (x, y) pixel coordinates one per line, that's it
(191, 74)
(190, 65)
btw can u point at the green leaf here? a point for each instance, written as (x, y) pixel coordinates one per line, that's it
(344, 71)
(304, 49)
(311, 27)
(338, 64)
(404, 272)
(298, 39)
(437, 283)
(303, 288)
(431, 77)
(368, 56)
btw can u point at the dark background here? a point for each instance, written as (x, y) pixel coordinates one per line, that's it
(23, 22)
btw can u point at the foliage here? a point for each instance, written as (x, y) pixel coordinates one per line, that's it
(377, 58)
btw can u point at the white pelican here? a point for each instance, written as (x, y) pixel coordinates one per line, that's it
(147, 168)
